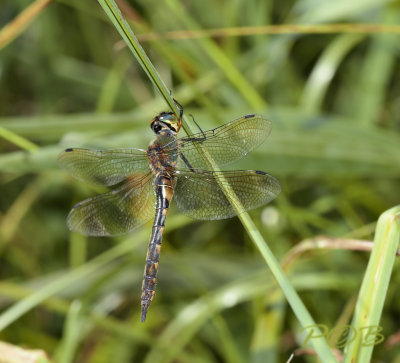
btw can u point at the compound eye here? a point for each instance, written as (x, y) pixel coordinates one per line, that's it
(167, 117)
(156, 127)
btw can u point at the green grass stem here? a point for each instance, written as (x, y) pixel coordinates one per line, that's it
(374, 289)
(17, 140)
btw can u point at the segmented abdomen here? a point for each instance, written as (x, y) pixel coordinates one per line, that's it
(164, 191)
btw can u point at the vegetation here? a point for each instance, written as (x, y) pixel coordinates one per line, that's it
(327, 79)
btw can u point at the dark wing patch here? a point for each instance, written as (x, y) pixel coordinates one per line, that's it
(116, 212)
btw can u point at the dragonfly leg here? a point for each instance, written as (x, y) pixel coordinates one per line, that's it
(180, 112)
(180, 107)
(194, 121)
(201, 131)
(186, 161)
(196, 139)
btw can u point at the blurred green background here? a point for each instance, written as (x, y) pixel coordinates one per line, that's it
(334, 100)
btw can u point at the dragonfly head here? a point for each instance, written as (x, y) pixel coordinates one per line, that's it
(166, 121)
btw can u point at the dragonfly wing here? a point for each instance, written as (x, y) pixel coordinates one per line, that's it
(103, 167)
(226, 143)
(198, 194)
(116, 212)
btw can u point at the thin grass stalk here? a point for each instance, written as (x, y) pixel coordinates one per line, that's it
(124, 29)
(17, 140)
(73, 329)
(294, 300)
(15, 27)
(242, 31)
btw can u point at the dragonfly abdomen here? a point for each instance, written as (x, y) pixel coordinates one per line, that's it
(164, 191)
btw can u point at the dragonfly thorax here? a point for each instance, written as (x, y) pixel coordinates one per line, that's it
(160, 160)
(165, 121)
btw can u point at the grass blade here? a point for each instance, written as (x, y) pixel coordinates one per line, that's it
(19, 24)
(374, 288)
(124, 29)
(18, 140)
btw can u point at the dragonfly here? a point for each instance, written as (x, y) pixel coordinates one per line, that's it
(143, 182)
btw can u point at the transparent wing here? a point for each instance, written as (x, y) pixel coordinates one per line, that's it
(226, 143)
(116, 212)
(103, 167)
(199, 195)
